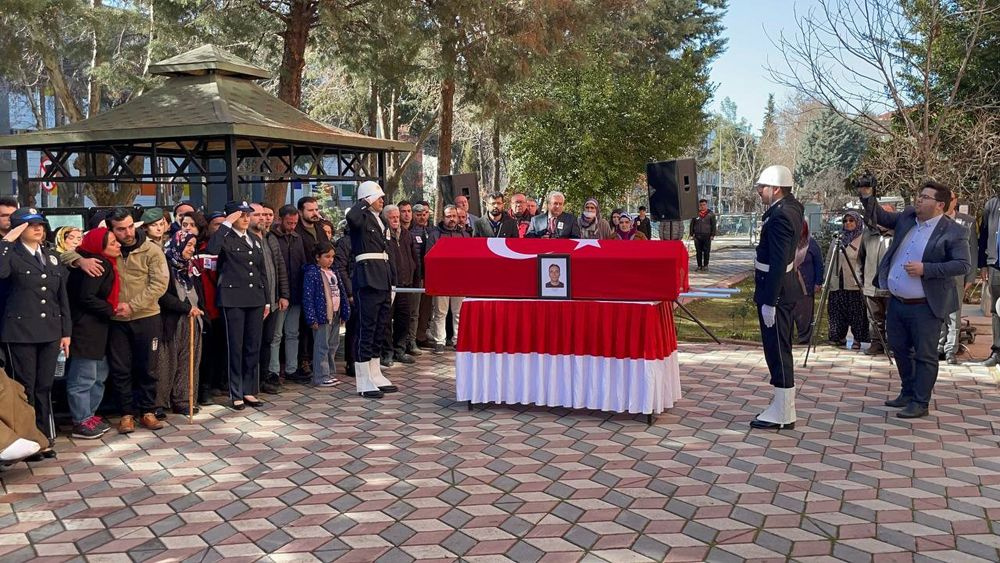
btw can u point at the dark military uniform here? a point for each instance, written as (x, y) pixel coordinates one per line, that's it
(36, 318)
(372, 280)
(775, 285)
(242, 294)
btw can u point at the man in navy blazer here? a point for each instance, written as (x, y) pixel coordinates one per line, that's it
(927, 252)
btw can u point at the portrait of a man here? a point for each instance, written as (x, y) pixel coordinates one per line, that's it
(554, 273)
(553, 276)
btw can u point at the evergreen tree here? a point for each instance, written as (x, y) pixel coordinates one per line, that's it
(832, 149)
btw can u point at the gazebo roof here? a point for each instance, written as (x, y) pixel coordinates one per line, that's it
(209, 93)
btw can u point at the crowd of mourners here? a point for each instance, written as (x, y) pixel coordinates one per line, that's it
(126, 306)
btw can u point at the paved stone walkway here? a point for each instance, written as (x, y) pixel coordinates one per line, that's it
(323, 475)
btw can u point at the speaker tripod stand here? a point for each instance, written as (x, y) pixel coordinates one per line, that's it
(835, 246)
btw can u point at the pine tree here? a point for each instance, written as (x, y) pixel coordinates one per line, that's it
(831, 150)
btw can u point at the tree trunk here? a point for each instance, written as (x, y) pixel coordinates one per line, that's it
(301, 16)
(53, 66)
(448, 59)
(94, 85)
(496, 154)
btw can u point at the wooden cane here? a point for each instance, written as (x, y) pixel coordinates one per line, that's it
(191, 371)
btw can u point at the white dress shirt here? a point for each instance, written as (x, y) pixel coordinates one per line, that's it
(911, 249)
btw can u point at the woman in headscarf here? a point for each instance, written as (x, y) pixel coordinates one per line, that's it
(67, 239)
(179, 304)
(626, 229)
(92, 303)
(615, 216)
(592, 225)
(845, 305)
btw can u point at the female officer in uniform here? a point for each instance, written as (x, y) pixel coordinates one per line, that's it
(242, 296)
(37, 322)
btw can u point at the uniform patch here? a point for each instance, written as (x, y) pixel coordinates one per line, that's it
(53, 261)
(156, 343)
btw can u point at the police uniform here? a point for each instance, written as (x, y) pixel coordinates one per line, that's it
(775, 285)
(242, 297)
(36, 318)
(371, 283)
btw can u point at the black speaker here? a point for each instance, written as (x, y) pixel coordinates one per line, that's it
(461, 184)
(673, 189)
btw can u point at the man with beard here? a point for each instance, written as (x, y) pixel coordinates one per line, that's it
(403, 255)
(8, 206)
(133, 338)
(519, 212)
(277, 291)
(372, 286)
(496, 223)
(448, 227)
(293, 259)
(312, 233)
(405, 214)
(775, 291)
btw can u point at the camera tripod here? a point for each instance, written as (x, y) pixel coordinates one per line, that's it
(835, 246)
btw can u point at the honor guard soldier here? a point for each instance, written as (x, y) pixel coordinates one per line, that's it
(774, 291)
(37, 322)
(372, 286)
(242, 298)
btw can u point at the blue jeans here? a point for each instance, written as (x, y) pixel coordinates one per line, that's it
(287, 324)
(326, 340)
(85, 386)
(913, 337)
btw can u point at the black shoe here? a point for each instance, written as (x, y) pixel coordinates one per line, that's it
(205, 401)
(414, 350)
(941, 356)
(439, 348)
(406, 359)
(253, 403)
(425, 344)
(386, 363)
(993, 360)
(388, 389)
(898, 402)
(349, 370)
(912, 410)
(765, 425)
(300, 376)
(874, 350)
(372, 394)
(160, 413)
(237, 405)
(42, 455)
(269, 388)
(952, 360)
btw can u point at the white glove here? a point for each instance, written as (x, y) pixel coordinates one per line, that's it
(767, 313)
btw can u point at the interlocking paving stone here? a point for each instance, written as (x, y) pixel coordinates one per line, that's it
(322, 475)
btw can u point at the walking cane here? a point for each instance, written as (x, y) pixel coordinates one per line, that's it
(191, 370)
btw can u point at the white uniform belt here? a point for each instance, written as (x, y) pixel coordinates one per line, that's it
(767, 267)
(371, 256)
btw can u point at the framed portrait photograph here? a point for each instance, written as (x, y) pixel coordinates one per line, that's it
(553, 276)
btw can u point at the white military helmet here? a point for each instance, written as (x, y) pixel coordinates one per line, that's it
(776, 176)
(368, 189)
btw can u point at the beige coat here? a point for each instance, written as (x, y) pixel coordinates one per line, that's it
(17, 418)
(839, 264)
(144, 279)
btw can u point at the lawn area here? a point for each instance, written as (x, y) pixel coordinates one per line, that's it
(735, 317)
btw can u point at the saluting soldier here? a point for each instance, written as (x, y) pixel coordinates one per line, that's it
(775, 293)
(37, 322)
(242, 297)
(372, 286)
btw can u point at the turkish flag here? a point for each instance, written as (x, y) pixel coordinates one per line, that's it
(625, 270)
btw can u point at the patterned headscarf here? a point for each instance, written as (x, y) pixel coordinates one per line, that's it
(848, 237)
(183, 269)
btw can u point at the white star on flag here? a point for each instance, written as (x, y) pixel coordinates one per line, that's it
(580, 243)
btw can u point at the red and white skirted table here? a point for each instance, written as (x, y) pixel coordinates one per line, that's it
(618, 356)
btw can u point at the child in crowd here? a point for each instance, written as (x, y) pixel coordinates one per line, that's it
(324, 304)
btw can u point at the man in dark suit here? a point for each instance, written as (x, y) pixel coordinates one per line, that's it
(496, 222)
(775, 291)
(372, 286)
(928, 251)
(554, 223)
(242, 297)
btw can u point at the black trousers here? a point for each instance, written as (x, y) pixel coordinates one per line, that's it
(267, 337)
(34, 366)
(214, 363)
(244, 330)
(351, 339)
(373, 321)
(702, 249)
(404, 310)
(131, 347)
(913, 338)
(777, 342)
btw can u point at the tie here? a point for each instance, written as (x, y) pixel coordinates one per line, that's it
(552, 225)
(38, 255)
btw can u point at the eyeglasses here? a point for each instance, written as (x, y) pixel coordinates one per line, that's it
(925, 197)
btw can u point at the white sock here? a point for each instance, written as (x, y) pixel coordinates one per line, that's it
(20, 449)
